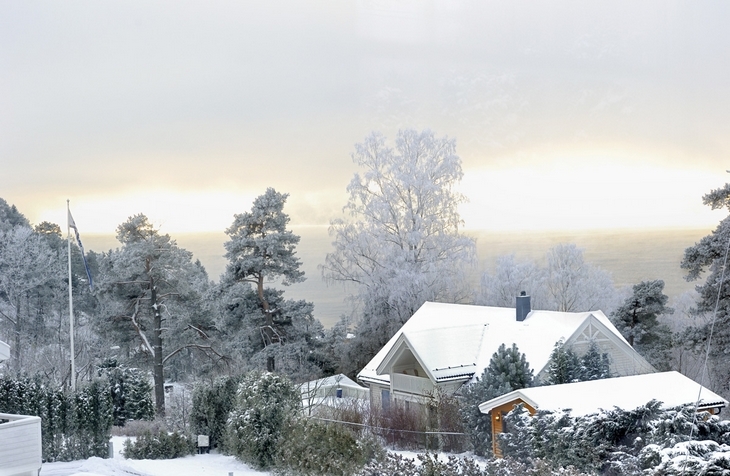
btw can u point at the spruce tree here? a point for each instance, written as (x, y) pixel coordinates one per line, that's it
(594, 365)
(564, 365)
(508, 370)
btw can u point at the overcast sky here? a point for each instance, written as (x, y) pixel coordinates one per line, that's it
(567, 115)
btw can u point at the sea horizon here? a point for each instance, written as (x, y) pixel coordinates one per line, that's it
(629, 255)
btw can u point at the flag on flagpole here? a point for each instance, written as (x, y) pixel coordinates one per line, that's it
(72, 224)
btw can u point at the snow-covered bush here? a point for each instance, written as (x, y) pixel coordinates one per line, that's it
(431, 465)
(611, 441)
(131, 392)
(159, 445)
(265, 404)
(313, 447)
(693, 457)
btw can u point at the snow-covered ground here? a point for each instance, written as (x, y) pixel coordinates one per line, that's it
(197, 465)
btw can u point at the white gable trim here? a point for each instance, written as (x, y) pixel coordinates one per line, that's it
(592, 329)
(400, 346)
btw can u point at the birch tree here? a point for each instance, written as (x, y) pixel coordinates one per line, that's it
(26, 263)
(399, 244)
(567, 283)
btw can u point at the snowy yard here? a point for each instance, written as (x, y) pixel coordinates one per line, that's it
(197, 465)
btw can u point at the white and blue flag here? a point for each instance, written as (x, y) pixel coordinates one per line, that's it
(72, 224)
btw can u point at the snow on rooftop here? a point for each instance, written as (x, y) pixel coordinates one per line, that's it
(628, 393)
(458, 335)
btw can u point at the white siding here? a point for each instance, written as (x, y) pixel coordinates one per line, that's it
(20, 445)
(4, 351)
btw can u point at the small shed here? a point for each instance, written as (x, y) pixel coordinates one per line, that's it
(328, 390)
(584, 398)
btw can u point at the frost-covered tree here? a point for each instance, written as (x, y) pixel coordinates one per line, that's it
(10, 217)
(565, 366)
(257, 318)
(151, 294)
(637, 320)
(567, 283)
(508, 370)
(575, 285)
(509, 279)
(400, 244)
(706, 258)
(27, 264)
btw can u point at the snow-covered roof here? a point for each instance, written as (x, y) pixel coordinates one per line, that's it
(456, 341)
(340, 380)
(628, 393)
(4, 351)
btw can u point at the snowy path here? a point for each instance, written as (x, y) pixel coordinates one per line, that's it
(198, 465)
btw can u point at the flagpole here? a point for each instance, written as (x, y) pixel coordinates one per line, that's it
(70, 297)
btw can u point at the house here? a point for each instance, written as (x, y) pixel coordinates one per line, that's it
(329, 391)
(4, 351)
(584, 398)
(443, 346)
(20, 439)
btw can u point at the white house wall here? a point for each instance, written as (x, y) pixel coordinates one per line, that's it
(20, 445)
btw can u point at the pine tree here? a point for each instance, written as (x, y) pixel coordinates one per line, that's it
(145, 283)
(508, 370)
(637, 320)
(261, 249)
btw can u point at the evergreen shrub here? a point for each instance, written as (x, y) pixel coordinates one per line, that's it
(612, 441)
(73, 425)
(212, 405)
(159, 445)
(265, 405)
(312, 447)
(131, 392)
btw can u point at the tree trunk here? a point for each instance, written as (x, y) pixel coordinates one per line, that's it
(158, 373)
(268, 319)
(17, 347)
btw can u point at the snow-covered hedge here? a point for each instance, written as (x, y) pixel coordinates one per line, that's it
(73, 426)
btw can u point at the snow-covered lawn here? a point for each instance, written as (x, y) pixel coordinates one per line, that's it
(197, 465)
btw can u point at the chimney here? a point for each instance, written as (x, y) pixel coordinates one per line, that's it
(523, 306)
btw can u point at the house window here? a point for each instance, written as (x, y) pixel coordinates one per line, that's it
(385, 399)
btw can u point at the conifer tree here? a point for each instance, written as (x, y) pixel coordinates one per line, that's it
(706, 259)
(564, 365)
(637, 320)
(508, 370)
(261, 249)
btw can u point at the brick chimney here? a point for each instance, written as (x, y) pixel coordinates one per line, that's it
(523, 306)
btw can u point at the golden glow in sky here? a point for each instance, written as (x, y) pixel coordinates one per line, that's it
(186, 114)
